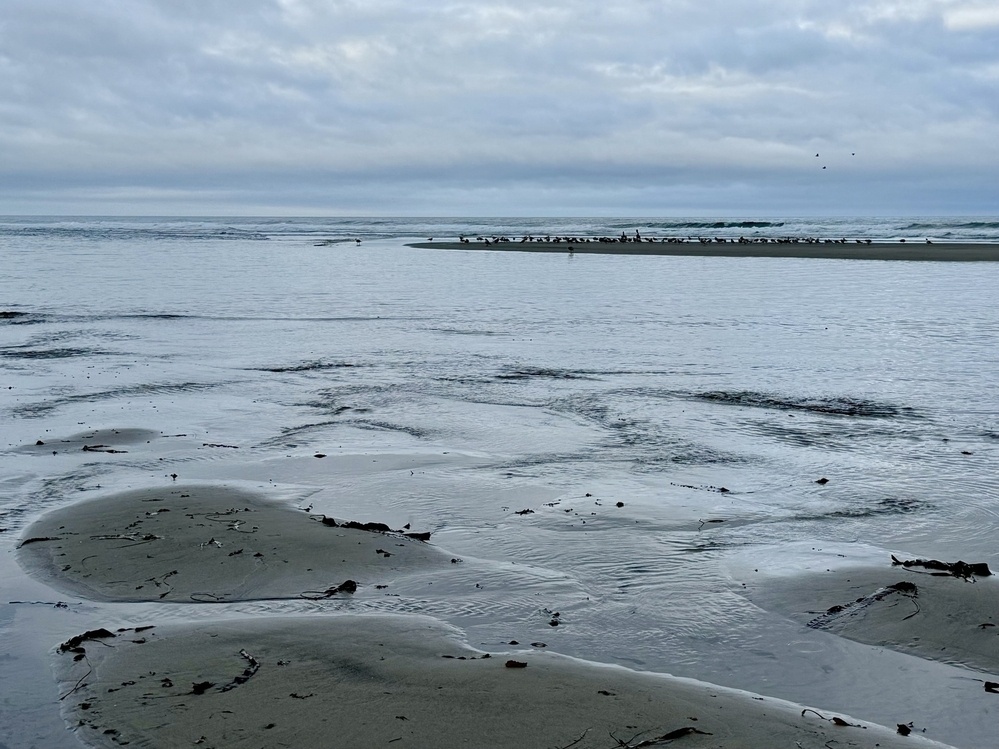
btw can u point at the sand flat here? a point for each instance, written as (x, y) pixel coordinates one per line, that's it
(211, 543)
(384, 680)
(916, 251)
(942, 617)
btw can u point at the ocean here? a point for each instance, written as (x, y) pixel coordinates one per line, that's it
(627, 441)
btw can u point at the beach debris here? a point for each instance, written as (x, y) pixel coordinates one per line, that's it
(833, 613)
(991, 686)
(524, 512)
(216, 444)
(904, 728)
(822, 481)
(73, 643)
(573, 743)
(515, 664)
(138, 539)
(554, 617)
(678, 733)
(703, 487)
(835, 720)
(201, 687)
(347, 586)
(960, 569)
(373, 527)
(101, 449)
(36, 539)
(64, 605)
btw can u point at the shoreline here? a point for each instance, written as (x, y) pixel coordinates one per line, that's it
(908, 251)
(393, 672)
(378, 679)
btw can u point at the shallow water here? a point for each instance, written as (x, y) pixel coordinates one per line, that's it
(452, 390)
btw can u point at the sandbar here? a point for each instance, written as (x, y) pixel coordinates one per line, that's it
(915, 251)
(214, 543)
(389, 680)
(930, 615)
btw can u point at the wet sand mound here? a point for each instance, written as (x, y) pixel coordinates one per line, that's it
(932, 615)
(212, 544)
(366, 681)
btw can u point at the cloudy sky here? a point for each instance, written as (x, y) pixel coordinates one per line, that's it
(499, 107)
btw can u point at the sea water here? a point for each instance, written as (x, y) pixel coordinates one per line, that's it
(663, 419)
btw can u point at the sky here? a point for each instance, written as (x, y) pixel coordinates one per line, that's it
(499, 108)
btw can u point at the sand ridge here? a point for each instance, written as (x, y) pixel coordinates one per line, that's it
(378, 680)
(337, 679)
(210, 543)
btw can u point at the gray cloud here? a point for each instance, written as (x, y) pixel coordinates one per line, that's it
(714, 105)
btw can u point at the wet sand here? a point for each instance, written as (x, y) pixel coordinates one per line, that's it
(213, 543)
(914, 610)
(345, 679)
(916, 251)
(384, 680)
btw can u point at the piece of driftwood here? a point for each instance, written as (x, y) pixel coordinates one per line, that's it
(964, 570)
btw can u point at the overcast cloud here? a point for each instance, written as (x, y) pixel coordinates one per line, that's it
(636, 107)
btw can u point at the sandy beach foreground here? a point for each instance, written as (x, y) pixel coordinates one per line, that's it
(342, 679)
(385, 680)
(917, 251)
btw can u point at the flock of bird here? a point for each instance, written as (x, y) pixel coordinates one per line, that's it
(638, 238)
